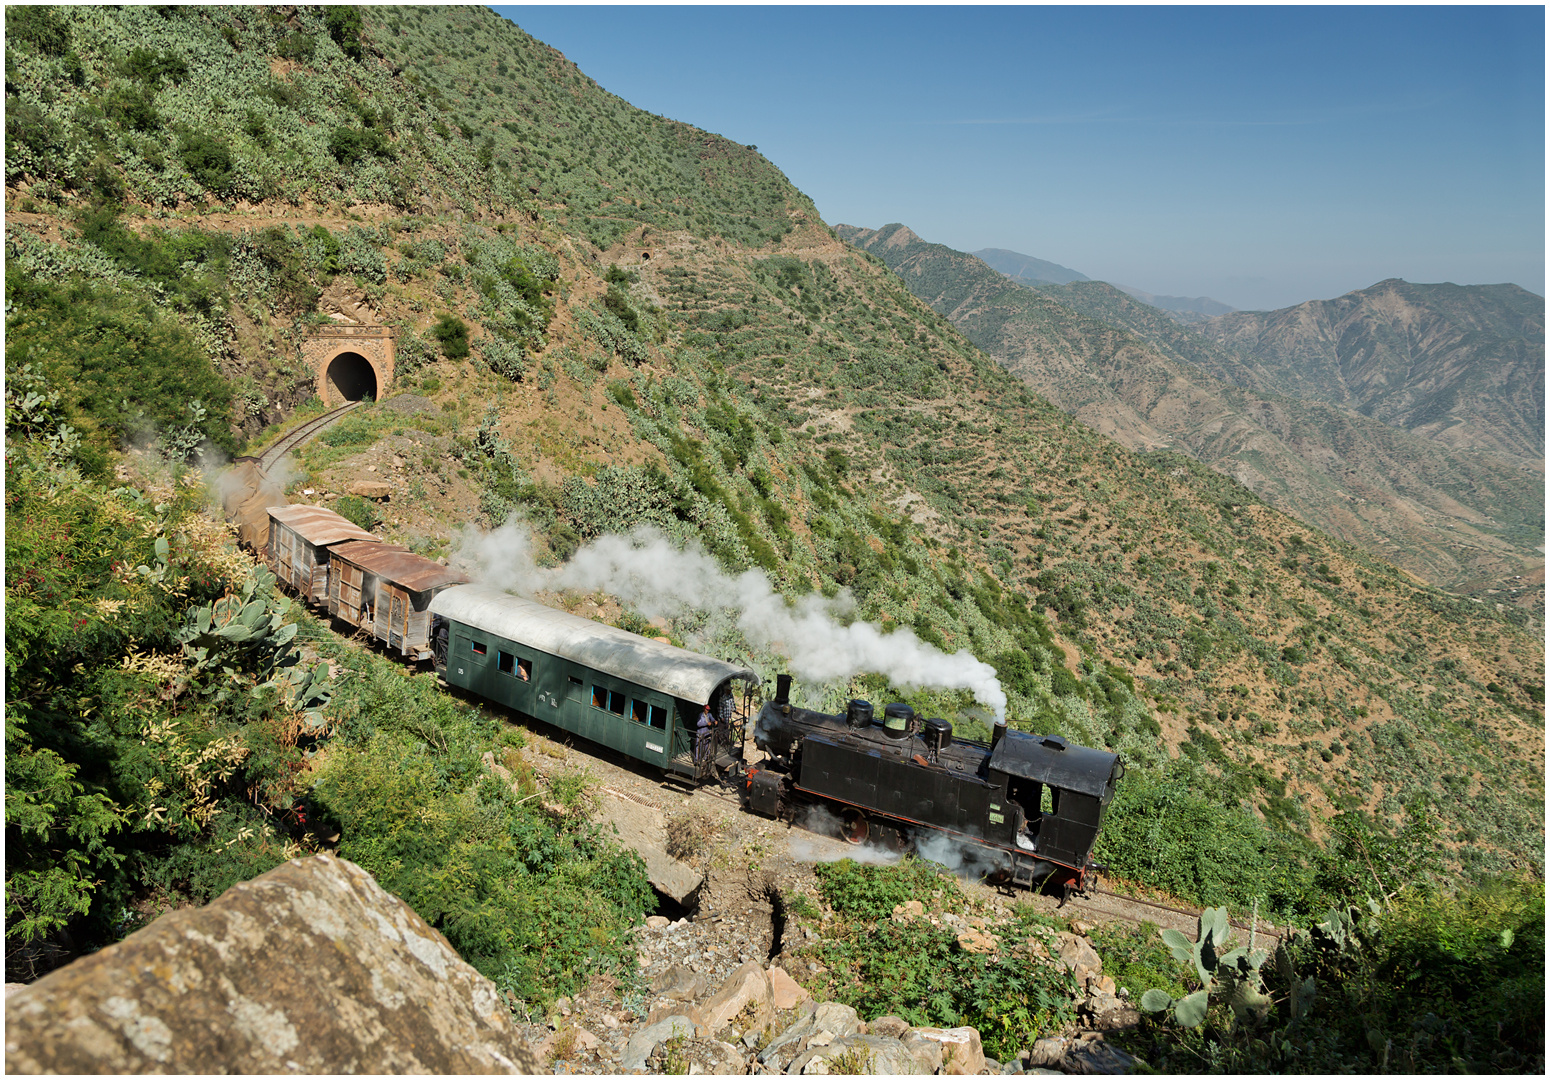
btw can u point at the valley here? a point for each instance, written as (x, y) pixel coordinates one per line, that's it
(1308, 615)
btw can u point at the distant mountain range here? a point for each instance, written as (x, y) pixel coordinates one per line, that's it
(1200, 307)
(1463, 365)
(1027, 270)
(1467, 520)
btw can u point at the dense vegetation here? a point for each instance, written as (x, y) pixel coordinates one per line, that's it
(1283, 699)
(153, 759)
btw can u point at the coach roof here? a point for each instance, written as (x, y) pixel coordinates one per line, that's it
(680, 673)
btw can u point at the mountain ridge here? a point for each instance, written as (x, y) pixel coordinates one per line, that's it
(606, 319)
(1461, 365)
(1135, 374)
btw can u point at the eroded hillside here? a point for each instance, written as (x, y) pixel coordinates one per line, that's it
(614, 319)
(1468, 521)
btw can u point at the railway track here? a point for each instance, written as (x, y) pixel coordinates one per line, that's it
(1100, 903)
(292, 439)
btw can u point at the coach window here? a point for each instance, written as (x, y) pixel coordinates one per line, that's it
(638, 711)
(478, 648)
(524, 669)
(599, 697)
(505, 661)
(656, 716)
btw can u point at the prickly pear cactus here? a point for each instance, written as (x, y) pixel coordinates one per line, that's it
(1231, 975)
(243, 636)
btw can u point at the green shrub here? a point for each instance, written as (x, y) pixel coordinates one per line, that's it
(41, 28)
(362, 512)
(297, 46)
(452, 332)
(208, 158)
(857, 890)
(539, 904)
(344, 26)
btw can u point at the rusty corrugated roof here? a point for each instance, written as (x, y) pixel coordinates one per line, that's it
(318, 526)
(398, 564)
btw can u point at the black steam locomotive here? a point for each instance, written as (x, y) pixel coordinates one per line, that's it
(1027, 808)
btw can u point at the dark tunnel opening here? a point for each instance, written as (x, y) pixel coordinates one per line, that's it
(351, 377)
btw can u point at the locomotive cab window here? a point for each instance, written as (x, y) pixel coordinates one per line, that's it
(1050, 801)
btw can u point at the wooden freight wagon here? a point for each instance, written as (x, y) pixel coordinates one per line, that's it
(386, 589)
(299, 539)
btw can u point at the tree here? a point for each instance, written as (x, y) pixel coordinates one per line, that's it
(452, 332)
(344, 26)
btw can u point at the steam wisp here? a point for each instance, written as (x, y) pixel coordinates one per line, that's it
(647, 572)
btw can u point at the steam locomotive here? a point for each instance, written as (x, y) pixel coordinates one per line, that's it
(1027, 808)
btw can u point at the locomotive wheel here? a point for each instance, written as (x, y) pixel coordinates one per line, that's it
(853, 826)
(895, 838)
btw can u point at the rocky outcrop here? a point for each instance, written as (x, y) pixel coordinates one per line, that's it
(312, 968)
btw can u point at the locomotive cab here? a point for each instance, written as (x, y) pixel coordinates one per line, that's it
(1060, 790)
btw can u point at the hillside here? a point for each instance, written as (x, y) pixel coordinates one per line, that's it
(1465, 521)
(1461, 365)
(607, 319)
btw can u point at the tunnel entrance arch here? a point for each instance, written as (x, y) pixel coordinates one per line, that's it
(350, 362)
(350, 377)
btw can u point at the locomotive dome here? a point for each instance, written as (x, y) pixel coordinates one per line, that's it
(689, 676)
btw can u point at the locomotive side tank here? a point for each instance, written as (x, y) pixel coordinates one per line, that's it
(1027, 806)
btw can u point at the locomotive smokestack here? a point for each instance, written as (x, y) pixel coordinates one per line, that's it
(997, 732)
(783, 689)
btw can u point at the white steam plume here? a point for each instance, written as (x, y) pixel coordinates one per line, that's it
(647, 572)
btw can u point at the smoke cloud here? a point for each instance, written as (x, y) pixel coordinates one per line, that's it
(823, 848)
(971, 861)
(645, 571)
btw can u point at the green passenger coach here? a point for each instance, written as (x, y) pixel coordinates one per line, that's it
(634, 694)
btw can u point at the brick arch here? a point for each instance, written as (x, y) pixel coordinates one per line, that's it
(324, 345)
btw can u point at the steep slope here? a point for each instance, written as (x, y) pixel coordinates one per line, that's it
(1461, 365)
(728, 370)
(1466, 521)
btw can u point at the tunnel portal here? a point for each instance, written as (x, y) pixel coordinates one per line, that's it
(352, 378)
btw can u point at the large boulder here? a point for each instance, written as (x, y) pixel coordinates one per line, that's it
(819, 1027)
(310, 968)
(746, 997)
(646, 1040)
(871, 1055)
(962, 1054)
(1078, 954)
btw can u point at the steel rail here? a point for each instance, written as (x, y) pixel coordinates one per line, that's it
(292, 439)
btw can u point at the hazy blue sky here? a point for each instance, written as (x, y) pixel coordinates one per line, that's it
(1261, 156)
